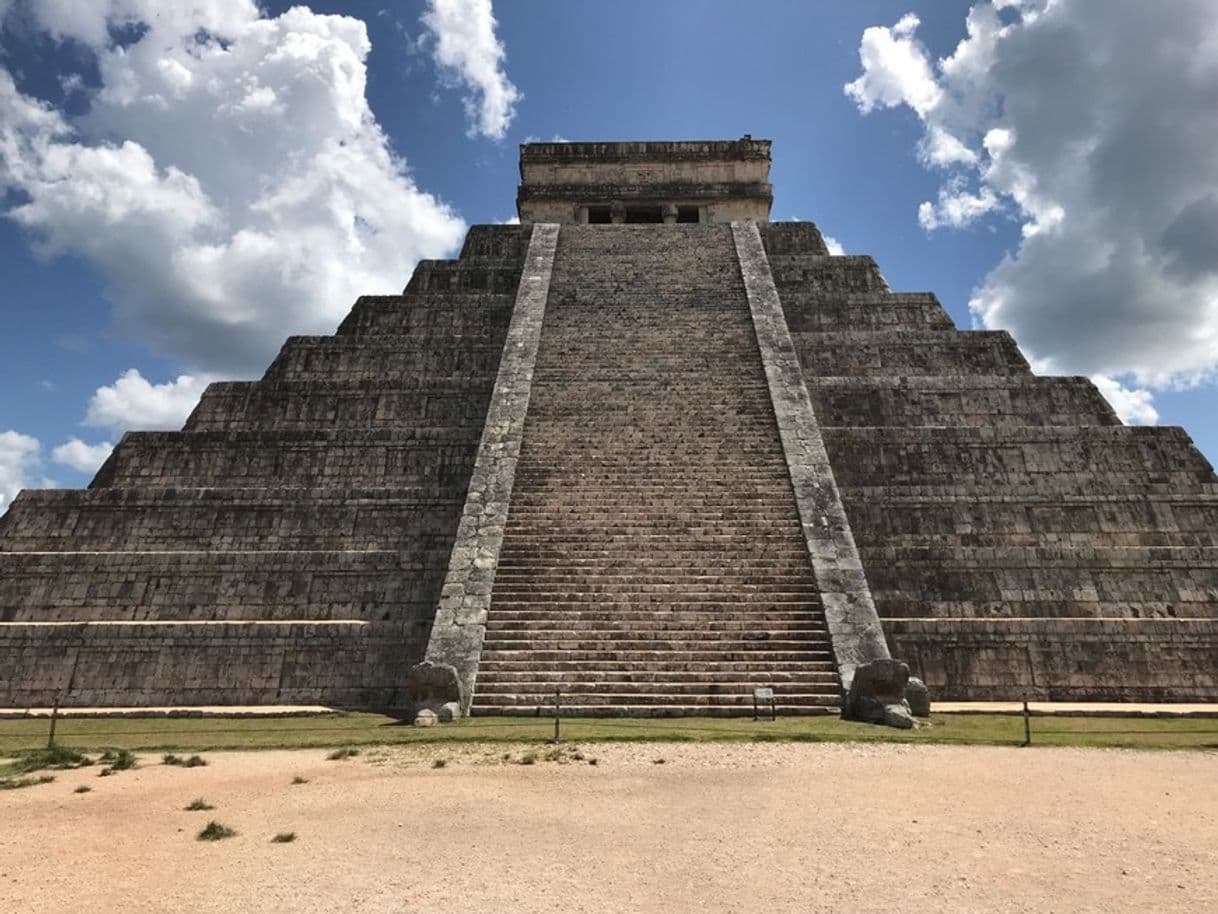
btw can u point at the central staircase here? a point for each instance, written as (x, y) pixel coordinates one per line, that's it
(653, 561)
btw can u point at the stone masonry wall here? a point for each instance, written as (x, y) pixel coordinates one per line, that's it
(289, 544)
(1018, 540)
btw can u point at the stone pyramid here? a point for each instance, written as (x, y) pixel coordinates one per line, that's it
(645, 448)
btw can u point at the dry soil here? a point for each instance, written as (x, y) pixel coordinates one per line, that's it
(650, 827)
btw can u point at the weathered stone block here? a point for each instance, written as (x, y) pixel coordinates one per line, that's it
(877, 694)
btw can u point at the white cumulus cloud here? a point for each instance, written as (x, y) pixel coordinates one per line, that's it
(469, 54)
(132, 402)
(82, 457)
(19, 461)
(1094, 125)
(1131, 404)
(957, 206)
(834, 246)
(896, 70)
(228, 179)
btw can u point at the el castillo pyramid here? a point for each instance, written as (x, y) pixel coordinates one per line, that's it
(646, 448)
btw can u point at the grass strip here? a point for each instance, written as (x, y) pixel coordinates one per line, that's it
(363, 729)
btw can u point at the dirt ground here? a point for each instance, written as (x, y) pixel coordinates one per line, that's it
(740, 827)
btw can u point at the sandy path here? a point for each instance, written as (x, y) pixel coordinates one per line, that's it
(745, 828)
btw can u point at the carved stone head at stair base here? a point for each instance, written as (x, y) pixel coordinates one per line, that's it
(434, 688)
(877, 694)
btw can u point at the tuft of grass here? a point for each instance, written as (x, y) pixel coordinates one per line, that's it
(592, 761)
(284, 837)
(83, 788)
(529, 758)
(299, 780)
(657, 761)
(18, 783)
(439, 763)
(57, 757)
(117, 760)
(214, 831)
(339, 754)
(198, 805)
(195, 761)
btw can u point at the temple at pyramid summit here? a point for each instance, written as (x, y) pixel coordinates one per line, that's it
(648, 449)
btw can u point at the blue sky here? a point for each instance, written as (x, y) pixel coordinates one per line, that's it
(861, 165)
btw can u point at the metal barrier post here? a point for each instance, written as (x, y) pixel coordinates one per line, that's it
(1027, 724)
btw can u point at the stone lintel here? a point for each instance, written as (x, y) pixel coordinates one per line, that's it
(850, 613)
(745, 148)
(677, 190)
(460, 623)
(724, 179)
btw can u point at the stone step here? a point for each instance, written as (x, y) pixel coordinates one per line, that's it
(1048, 539)
(680, 536)
(826, 275)
(694, 618)
(489, 691)
(312, 458)
(809, 660)
(573, 701)
(612, 624)
(627, 602)
(536, 592)
(642, 639)
(792, 238)
(679, 433)
(998, 456)
(1065, 487)
(1079, 558)
(504, 241)
(558, 637)
(678, 682)
(980, 401)
(682, 555)
(683, 550)
(286, 405)
(656, 535)
(905, 352)
(651, 485)
(1029, 519)
(1020, 606)
(123, 519)
(453, 275)
(329, 357)
(469, 313)
(215, 586)
(648, 652)
(631, 569)
(627, 710)
(817, 312)
(656, 522)
(558, 579)
(158, 664)
(636, 512)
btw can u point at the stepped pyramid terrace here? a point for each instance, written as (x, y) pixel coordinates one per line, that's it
(648, 449)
